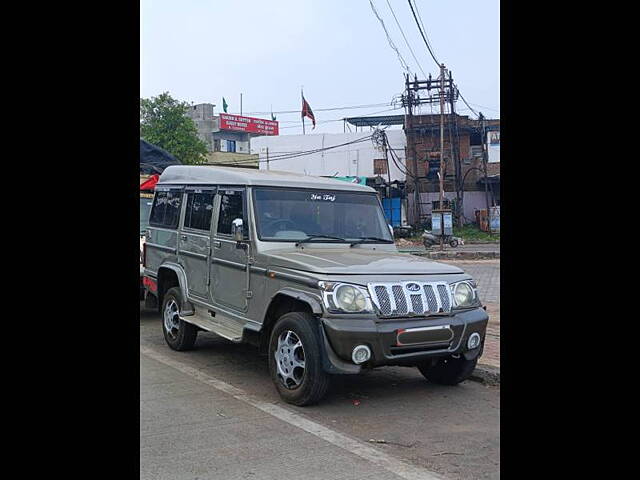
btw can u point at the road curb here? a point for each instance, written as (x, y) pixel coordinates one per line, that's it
(437, 255)
(486, 374)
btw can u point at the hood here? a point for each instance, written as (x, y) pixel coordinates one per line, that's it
(358, 261)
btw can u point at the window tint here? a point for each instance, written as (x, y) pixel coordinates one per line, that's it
(166, 209)
(231, 207)
(199, 209)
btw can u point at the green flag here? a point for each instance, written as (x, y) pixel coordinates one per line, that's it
(224, 105)
(273, 117)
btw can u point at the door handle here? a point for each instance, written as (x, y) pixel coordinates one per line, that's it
(183, 237)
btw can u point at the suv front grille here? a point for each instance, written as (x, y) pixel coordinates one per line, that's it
(422, 298)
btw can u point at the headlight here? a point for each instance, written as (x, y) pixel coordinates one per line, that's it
(464, 294)
(342, 297)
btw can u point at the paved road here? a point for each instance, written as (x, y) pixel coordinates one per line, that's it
(214, 413)
(486, 273)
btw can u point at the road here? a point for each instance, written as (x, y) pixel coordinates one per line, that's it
(213, 413)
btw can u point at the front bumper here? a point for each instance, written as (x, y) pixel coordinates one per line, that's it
(420, 338)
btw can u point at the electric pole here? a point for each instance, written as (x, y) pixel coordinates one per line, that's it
(484, 161)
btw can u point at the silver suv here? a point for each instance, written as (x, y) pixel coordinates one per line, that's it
(306, 269)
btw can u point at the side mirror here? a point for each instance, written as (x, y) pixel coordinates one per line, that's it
(236, 230)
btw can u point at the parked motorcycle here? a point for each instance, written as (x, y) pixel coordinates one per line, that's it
(429, 239)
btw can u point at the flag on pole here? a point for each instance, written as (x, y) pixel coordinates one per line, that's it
(224, 105)
(306, 111)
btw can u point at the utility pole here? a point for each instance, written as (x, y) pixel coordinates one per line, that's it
(268, 158)
(484, 161)
(240, 104)
(440, 204)
(455, 151)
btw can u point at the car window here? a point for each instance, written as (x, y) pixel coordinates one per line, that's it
(199, 210)
(166, 209)
(231, 207)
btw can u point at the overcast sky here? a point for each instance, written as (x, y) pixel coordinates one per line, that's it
(202, 50)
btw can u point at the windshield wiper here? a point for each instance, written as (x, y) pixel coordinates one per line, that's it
(372, 239)
(319, 236)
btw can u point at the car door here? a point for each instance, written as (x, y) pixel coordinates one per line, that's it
(229, 263)
(194, 240)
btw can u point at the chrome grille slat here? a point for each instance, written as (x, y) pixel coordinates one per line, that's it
(394, 299)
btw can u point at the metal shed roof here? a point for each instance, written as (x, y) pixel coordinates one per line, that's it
(210, 175)
(377, 120)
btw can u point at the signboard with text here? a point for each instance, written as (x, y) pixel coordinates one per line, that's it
(248, 124)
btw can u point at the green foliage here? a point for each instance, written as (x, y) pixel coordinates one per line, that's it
(471, 233)
(163, 122)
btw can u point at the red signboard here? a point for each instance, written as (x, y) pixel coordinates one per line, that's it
(248, 124)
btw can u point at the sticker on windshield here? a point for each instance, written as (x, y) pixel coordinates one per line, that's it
(325, 197)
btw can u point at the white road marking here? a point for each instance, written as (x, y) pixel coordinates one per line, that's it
(373, 455)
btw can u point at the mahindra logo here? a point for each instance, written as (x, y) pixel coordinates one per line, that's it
(413, 287)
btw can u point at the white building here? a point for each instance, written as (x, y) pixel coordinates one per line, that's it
(360, 158)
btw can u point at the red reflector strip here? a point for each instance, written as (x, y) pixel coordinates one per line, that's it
(150, 284)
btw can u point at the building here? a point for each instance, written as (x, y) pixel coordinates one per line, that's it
(228, 137)
(331, 154)
(423, 156)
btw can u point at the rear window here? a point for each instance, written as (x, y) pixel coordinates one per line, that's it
(166, 209)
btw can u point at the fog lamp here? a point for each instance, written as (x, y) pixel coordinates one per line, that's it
(361, 354)
(474, 341)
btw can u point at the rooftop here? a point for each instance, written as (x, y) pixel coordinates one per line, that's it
(210, 175)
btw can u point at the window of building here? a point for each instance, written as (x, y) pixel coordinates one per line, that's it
(380, 166)
(166, 209)
(199, 210)
(231, 207)
(231, 145)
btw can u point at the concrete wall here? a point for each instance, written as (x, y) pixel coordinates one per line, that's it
(355, 159)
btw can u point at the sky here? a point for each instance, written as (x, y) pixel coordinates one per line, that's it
(267, 50)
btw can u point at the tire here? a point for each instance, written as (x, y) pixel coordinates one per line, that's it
(295, 341)
(448, 370)
(453, 243)
(178, 334)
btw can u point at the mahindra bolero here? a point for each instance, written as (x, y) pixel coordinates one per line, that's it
(306, 269)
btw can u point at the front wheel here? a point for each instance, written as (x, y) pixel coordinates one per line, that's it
(453, 243)
(295, 362)
(448, 370)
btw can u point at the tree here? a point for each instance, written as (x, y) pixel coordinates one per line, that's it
(163, 122)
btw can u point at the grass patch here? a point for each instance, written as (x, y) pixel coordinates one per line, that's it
(471, 233)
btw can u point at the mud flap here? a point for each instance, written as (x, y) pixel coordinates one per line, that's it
(330, 361)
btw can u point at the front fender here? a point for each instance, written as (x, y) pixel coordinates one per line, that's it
(313, 301)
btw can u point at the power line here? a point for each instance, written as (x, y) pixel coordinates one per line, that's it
(465, 102)
(342, 119)
(328, 109)
(391, 44)
(423, 35)
(422, 24)
(405, 39)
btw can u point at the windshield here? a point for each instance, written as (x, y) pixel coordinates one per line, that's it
(293, 215)
(146, 199)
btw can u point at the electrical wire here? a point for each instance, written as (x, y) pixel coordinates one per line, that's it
(391, 44)
(423, 27)
(405, 38)
(423, 35)
(328, 109)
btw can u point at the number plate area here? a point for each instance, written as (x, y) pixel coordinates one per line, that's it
(428, 336)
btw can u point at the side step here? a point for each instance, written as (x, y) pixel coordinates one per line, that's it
(206, 322)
